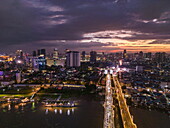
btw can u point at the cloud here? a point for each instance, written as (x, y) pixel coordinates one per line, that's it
(161, 42)
(31, 22)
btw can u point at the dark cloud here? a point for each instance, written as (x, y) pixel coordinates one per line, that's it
(72, 45)
(30, 22)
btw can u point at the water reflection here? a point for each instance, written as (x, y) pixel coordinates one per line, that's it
(34, 114)
(9, 107)
(16, 106)
(32, 106)
(68, 112)
(55, 110)
(72, 110)
(22, 108)
(4, 105)
(60, 111)
(46, 111)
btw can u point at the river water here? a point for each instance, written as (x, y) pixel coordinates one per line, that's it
(150, 119)
(89, 114)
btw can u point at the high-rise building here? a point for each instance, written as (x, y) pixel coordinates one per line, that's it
(35, 64)
(160, 56)
(140, 54)
(19, 54)
(34, 54)
(73, 59)
(41, 63)
(55, 53)
(42, 52)
(39, 52)
(83, 55)
(39, 60)
(124, 54)
(93, 55)
(148, 55)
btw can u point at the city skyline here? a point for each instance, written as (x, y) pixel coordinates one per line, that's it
(84, 63)
(103, 26)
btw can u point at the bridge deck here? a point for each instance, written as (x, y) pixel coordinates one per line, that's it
(108, 105)
(124, 109)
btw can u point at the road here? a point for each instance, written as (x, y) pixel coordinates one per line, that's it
(124, 109)
(33, 93)
(108, 105)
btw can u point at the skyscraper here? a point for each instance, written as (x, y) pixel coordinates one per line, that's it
(124, 54)
(42, 52)
(83, 55)
(73, 59)
(140, 54)
(19, 54)
(93, 55)
(39, 52)
(34, 54)
(55, 53)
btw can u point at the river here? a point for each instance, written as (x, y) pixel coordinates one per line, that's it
(89, 114)
(150, 119)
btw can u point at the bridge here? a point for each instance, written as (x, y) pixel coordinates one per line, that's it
(127, 118)
(109, 114)
(108, 105)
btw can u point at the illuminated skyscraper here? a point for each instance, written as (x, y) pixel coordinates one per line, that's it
(42, 52)
(55, 53)
(19, 54)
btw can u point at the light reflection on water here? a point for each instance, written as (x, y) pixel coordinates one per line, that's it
(32, 106)
(68, 112)
(60, 111)
(88, 114)
(9, 107)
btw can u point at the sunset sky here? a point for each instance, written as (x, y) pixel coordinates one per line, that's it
(101, 25)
